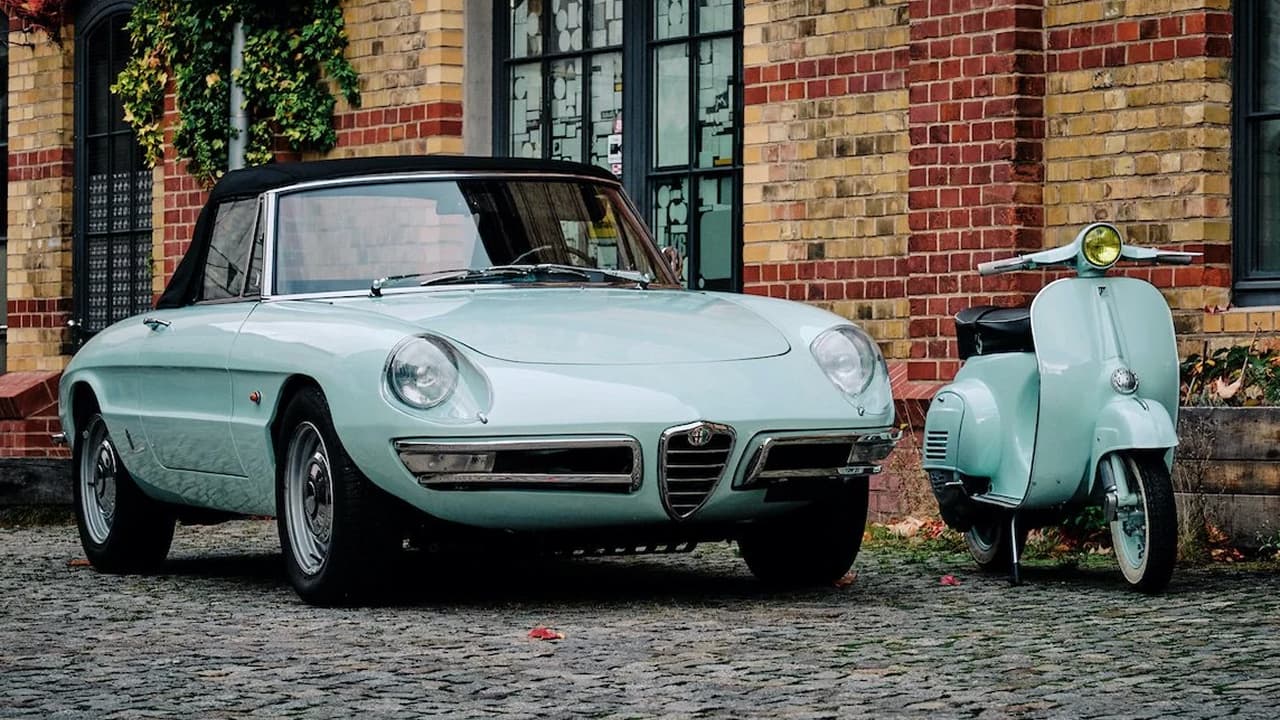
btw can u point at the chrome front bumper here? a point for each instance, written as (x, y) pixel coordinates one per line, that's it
(606, 463)
(614, 463)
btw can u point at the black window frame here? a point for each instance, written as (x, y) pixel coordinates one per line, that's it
(89, 19)
(1251, 287)
(638, 95)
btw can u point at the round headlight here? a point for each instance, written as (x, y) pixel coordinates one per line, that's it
(848, 357)
(422, 371)
(1102, 246)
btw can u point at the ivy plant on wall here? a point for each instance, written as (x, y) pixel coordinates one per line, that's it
(293, 55)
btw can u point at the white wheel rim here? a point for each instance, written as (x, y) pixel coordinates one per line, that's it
(1130, 531)
(308, 498)
(97, 477)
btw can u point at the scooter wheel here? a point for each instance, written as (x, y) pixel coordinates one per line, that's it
(989, 545)
(1145, 538)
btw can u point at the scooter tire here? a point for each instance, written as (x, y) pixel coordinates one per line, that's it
(989, 546)
(1150, 569)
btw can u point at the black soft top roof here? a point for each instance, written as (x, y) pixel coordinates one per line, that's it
(184, 286)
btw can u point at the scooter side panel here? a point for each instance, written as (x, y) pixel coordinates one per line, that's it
(1085, 329)
(989, 417)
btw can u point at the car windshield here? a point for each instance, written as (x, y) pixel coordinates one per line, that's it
(342, 238)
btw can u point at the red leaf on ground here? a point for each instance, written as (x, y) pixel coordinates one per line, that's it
(78, 562)
(846, 580)
(949, 580)
(545, 633)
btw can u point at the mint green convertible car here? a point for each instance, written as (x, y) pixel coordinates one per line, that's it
(387, 349)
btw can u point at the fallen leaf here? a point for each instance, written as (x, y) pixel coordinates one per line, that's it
(906, 528)
(949, 580)
(1227, 390)
(78, 562)
(545, 633)
(846, 580)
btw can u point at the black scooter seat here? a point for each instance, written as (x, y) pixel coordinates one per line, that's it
(988, 329)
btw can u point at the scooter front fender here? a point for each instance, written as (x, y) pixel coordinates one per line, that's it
(1131, 423)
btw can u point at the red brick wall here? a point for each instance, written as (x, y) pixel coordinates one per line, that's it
(977, 133)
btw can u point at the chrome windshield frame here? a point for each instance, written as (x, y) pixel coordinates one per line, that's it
(271, 200)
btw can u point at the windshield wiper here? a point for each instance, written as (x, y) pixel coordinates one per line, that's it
(464, 275)
(509, 271)
(641, 279)
(443, 277)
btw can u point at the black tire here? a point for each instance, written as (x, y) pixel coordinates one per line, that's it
(1147, 562)
(359, 534)
(813, 546)
(122, 530)
(989, 546)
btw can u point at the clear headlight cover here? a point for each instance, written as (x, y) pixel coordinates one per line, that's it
(422, 371)
(848, 356)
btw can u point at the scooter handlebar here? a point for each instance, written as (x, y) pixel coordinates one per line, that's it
(994, 267)
(1175, 258)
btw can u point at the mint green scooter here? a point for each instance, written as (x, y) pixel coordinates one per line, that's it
(1069, 403)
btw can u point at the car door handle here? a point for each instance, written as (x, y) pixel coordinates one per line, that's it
(155, 323)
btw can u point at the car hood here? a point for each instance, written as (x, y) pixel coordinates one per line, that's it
(588, 326)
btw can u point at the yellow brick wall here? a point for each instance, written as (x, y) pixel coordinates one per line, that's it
(1144, 141)
(825, 158)
(407, 53)
(41, 81)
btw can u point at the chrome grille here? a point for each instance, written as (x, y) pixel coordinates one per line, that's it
(935, 445)
(692, 461)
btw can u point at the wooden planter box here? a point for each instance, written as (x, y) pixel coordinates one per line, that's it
(1231, 458)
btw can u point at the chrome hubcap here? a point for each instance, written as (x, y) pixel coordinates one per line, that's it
(98, 482)
(308, 498)
(1129, 529)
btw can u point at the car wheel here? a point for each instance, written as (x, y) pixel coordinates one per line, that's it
(334, 530)
(122, 530)
(813, 546)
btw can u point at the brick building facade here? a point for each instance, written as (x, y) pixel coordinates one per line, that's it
(862, 155)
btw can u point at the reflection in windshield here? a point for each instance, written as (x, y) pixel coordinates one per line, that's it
(343, 238)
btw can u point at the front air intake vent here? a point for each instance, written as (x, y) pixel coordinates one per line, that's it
(692, 461)
(935, 445)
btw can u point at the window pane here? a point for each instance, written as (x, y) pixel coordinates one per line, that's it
(566, 33)
(606, 106)
(670, 19)
(671, 111)
(715, 234)
(566, 109)
(606, 23)
(224, 269)
(671, 221)
(715, 15)
(1268, 256)
(526, 110)
(526, 28)
(1268, 70)
(715, 102)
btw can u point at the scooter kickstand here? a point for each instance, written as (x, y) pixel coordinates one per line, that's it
(1016, 569)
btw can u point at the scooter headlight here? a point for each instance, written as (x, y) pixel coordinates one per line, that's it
(1101, 246)
(848, 356)
(422, 372)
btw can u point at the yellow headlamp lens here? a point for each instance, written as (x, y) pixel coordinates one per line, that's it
(1102, 246)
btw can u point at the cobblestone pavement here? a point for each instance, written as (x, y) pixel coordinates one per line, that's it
(220, 634)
